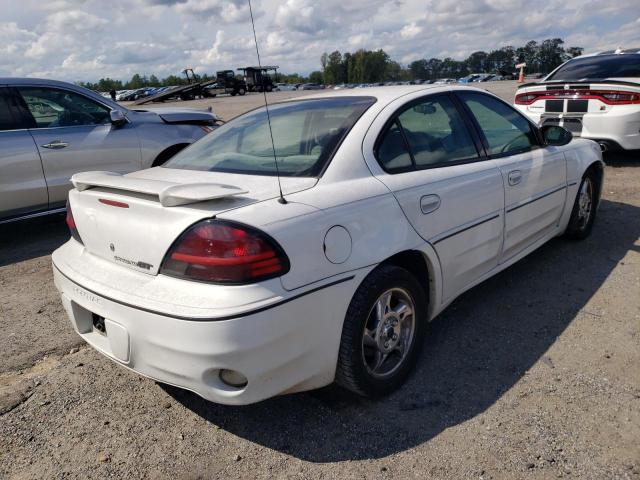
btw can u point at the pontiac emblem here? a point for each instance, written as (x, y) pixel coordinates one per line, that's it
(112, 247)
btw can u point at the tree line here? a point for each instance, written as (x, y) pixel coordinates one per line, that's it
(367, 66)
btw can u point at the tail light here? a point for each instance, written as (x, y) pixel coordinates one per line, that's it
(620, 98)
(224, 252)
(71, 223)
(613, 97)
(527, 98)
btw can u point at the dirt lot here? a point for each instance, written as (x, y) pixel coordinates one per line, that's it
(533, 374)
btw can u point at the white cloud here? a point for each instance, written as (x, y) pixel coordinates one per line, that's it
(65, 30)
(89, 39)
(410, 31)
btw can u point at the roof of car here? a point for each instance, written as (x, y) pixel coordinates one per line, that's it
(382, 94)
(58, 83)
(32, 81)
(619, 51)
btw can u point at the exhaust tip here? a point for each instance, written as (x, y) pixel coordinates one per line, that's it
(603, 146)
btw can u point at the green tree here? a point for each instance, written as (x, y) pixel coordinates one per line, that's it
(551, 54)
(573, 52)
(333, 68)
(316, 77)
(529, 55)
(418, 69)
(476, 61)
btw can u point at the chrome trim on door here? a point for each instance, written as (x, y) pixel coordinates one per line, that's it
(464, 228)
(26, 216)
(535, 199)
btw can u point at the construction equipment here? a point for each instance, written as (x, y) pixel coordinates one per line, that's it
(257, 78)
(225, 82)
(194, 88)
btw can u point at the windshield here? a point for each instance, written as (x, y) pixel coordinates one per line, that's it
(599, 67)
(306, 134)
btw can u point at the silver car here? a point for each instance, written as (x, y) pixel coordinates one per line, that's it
(50, 130)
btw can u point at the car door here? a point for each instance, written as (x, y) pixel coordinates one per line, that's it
(535, 176)
(73, 134)
(451, 195)
(22, 185)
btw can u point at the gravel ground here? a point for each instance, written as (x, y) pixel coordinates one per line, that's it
(532, 374)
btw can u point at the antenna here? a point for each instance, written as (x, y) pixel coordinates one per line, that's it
(266, 106)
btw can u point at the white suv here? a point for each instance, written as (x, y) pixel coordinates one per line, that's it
(594, 96)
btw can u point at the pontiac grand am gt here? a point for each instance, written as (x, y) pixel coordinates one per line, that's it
(200, 274)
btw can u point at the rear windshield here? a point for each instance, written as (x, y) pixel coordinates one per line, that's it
(599, 67)
(306, 134)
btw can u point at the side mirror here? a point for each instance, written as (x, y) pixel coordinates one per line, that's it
(117, 118)
(555, 135)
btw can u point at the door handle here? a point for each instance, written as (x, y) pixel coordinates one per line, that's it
(429, 203)
(515, 177)
(56, 145)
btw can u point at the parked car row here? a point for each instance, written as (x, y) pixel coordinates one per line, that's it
(131, 95)
(135, 94)
(341, 86)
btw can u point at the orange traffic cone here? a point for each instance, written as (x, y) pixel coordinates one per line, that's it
(521, 76)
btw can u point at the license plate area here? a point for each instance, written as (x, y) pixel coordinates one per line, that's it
(98, 323)
(106, 335)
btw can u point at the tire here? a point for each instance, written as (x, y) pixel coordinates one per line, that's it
(268, 88)
(356, 370)
(242, 91)
(584, 209)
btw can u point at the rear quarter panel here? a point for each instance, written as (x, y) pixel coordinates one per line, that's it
(376, 226)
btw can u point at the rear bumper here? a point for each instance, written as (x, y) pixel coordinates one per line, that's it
(620, 126)
(291, 346)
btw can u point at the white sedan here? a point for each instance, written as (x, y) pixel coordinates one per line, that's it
(394, 201)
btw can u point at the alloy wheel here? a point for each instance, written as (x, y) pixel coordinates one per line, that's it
(585, 203)
(388, 332)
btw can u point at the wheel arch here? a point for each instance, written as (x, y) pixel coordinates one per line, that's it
(597, 168)
(167, 153)
(424, 265)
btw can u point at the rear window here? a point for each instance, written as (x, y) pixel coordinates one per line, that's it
(599, 67)
(306, 134)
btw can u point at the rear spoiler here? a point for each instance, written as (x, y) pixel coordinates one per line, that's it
(579, 82)
(170, 194)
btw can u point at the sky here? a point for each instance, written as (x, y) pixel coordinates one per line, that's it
(84, 40)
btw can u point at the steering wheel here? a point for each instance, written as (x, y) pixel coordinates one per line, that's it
(511, 142)
(71, 119)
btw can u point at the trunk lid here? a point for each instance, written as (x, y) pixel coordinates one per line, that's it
(133, 219)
